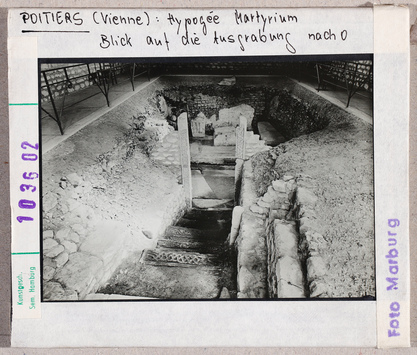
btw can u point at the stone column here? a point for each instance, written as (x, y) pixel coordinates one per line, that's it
(241, 138)
(240, 153)
(236, 219)
(184, 146)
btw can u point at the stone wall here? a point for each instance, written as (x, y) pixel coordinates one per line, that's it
(211, 98)
(79, 258)
(251, 243)
(104, 199)
(167, 152)
(279, 243)
(293, 117)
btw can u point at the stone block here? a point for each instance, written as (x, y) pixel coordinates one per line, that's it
(49, 201)
(48, 234)
(228, 81)
(225, 136)
(264, 204)
(53, 291)
(316, 268)
(52, 253)
(245, 279)
(279, 185)
(289, 269)
(48, 273)
(198, 125)
(318, 289)
(281, 213)
(268, 198)
(258, 209)
(49, 262)
(236, 221)
(305, 211)
(69, 246)
(61, 259)
(231, 116)
(315, 243)
(288, 290)
(79, 271)
(49, 244)
(247, 258)
(162, 105)
(286, 239)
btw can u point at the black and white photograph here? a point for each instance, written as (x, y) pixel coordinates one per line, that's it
(212, 178)
(209, 177)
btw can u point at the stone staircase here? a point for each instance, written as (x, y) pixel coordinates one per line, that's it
(203, 150)
(195, 254)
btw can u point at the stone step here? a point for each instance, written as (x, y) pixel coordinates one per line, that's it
(177, 232)
(203, 224)
(170, 257)
(213, 203)
(203, 247)
(221, 155)
(203, 167)
(206, 140)
(223, 214)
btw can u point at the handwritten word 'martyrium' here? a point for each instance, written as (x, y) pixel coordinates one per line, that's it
(257, 17)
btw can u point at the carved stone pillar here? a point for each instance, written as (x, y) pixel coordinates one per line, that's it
(184, 146)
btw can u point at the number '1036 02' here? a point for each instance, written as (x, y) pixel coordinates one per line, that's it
(30, 155)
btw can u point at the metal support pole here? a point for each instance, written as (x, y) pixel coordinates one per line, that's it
(57, 118)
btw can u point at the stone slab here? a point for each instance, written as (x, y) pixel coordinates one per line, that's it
(212, 203)
(288, 290)
(231, 116)
(225, 136)
(289, 269)
(200, 187)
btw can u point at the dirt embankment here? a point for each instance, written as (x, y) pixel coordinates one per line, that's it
(340, 161)
(104, 198)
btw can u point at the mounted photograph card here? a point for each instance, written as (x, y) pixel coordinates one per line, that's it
(209, 177)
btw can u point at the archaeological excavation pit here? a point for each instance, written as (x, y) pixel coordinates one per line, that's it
(210, 181)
